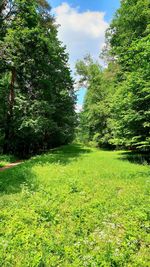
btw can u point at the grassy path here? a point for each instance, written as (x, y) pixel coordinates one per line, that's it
(6, 160)
(10, 165)
(75, 207)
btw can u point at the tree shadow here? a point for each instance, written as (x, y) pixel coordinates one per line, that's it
(135, 157)
(12, 180)
(63, 155)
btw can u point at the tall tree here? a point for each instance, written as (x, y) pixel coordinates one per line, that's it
(40, 84)
(116, 108)
(129, 38)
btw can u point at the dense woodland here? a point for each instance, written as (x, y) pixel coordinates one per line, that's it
(36, 88)
(37, 110)
(117, 104)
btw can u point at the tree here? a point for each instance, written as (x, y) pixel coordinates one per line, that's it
(116, 109)
(94, 118)
(129, 40)
(39, 111)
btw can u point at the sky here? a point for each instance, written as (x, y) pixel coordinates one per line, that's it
(82, 28)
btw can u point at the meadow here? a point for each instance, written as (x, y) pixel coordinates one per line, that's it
(75, 207)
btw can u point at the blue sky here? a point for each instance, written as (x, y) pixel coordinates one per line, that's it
(107, 6)
(82, 28)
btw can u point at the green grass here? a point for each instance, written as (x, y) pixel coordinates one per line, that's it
(75, 207)
(6, 159)
(3, 163)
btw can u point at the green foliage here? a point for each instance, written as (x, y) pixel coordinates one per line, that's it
(120, 115)
(6, 159)
(130, 104)
(91, 75)
(96, 111)
(75, 207)
(3, 163)
(131, 112)
(38, 111)
(131, 23)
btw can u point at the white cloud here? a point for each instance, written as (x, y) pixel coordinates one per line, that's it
(81, 32)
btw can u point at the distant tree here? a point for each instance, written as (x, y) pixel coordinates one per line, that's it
(95, 114)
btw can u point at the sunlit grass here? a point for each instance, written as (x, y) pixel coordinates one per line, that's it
(6, 159)
(75, 206)
(3, 163)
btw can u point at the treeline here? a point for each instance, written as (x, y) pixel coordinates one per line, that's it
(36, 89)
(116, 109)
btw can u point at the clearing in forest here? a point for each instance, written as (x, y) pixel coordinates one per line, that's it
(75, 206)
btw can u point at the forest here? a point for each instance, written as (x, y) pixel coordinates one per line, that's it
(74, 186)
(37, 91)
(116, 107)
(36, 87)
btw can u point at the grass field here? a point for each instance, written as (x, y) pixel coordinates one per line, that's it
(76, 207)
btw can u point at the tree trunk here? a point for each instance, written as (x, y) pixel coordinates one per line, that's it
(9, 117)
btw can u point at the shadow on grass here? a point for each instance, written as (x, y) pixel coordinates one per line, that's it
(12, 180)
(135, 157)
